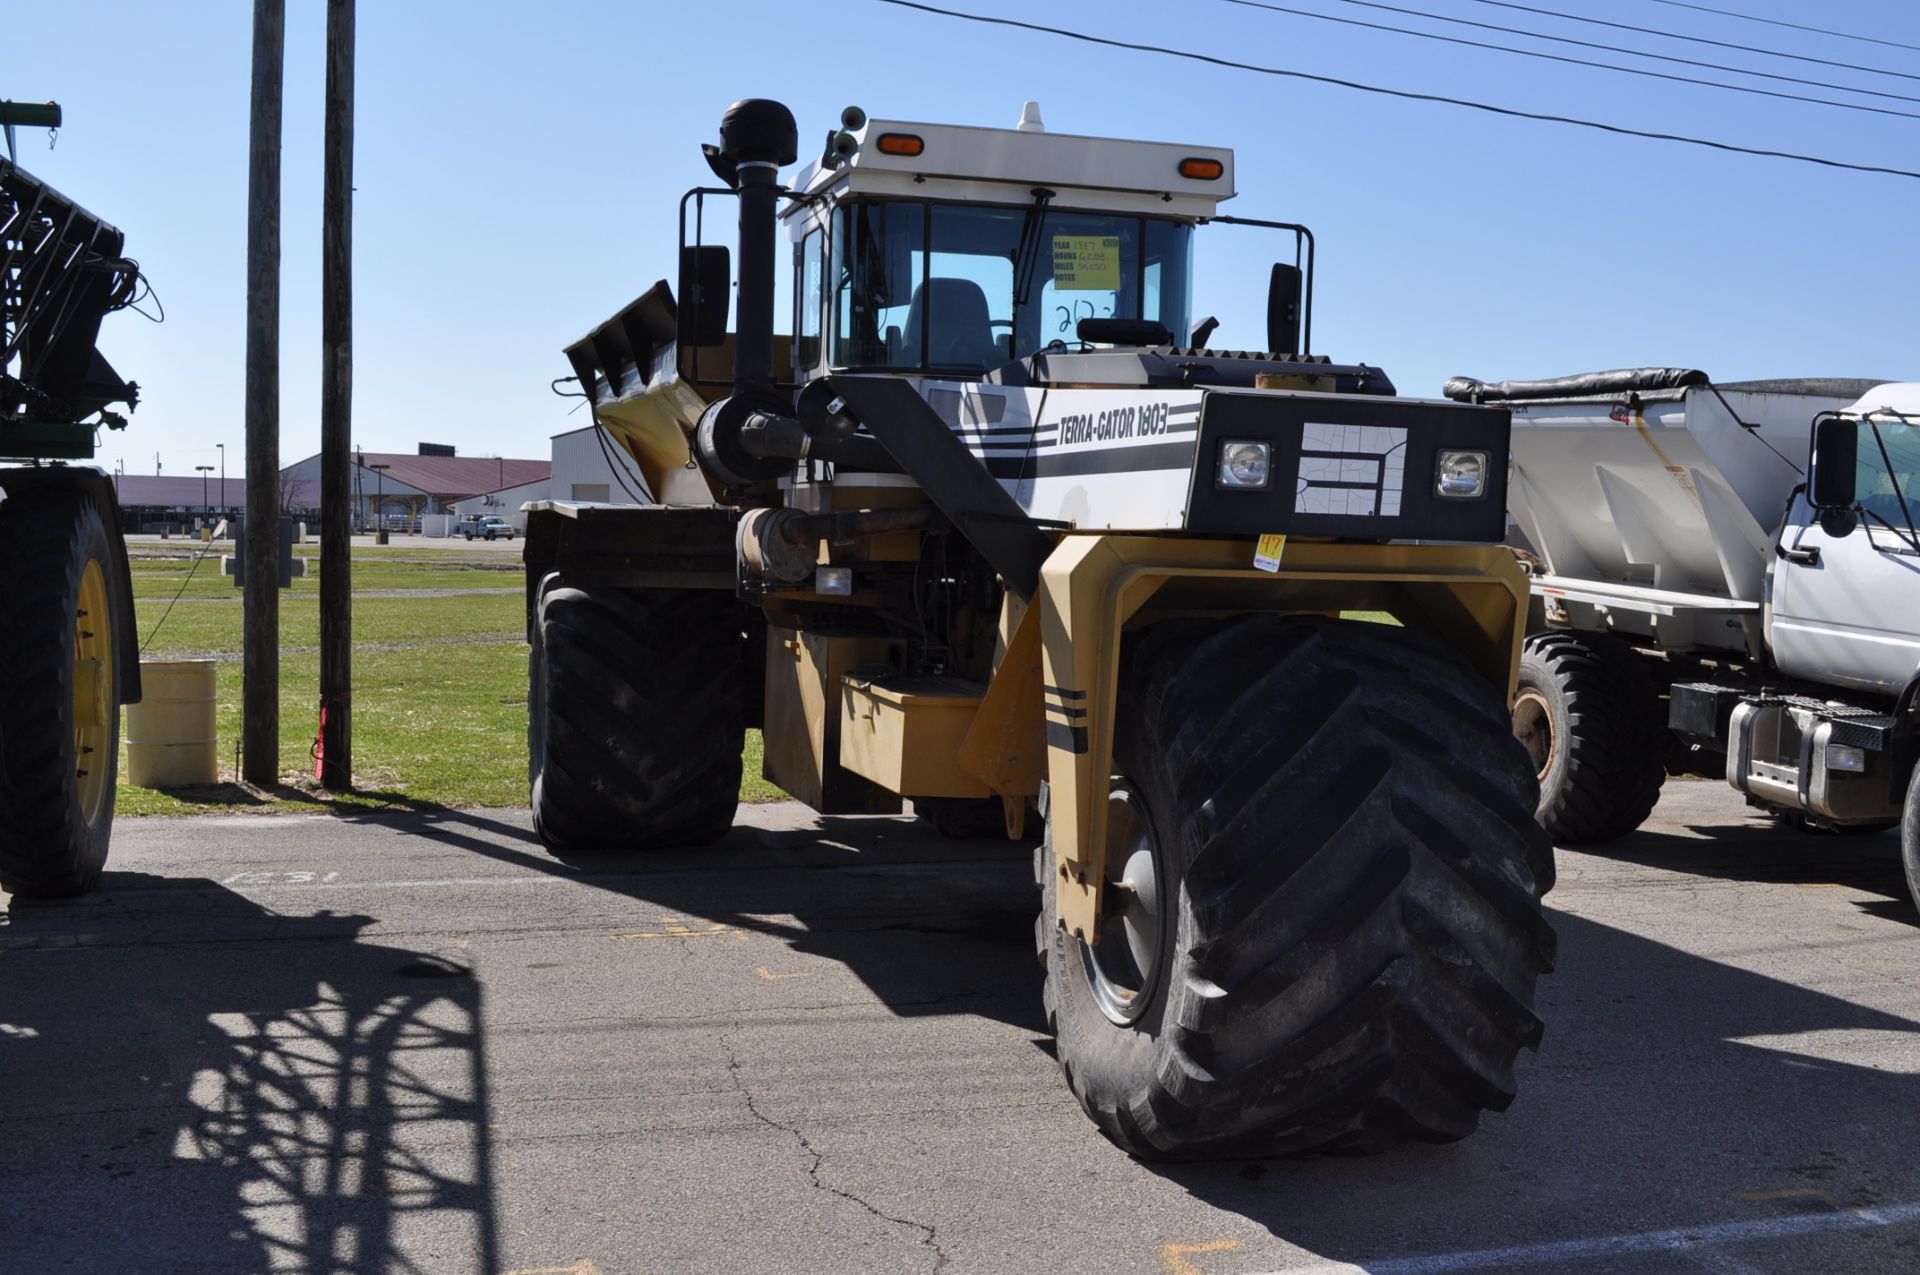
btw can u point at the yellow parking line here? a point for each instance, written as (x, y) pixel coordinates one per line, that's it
(1174, 1256)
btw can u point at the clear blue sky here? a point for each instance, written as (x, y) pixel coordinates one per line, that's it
(519, 164)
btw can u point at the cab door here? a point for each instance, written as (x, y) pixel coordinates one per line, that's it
(1845, 610)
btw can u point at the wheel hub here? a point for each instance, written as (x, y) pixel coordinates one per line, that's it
(1123, 970)
(1533, 727)
(93, 707)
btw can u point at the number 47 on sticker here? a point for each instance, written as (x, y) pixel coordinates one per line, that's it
(1266, 554)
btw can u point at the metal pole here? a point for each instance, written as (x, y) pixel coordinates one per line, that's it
(260, 641)
(379, 503)
(336, 409)
(223, 476)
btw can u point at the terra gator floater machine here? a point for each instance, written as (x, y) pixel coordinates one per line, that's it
(993, 531)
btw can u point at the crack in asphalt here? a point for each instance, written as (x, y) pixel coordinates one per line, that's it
(928, 1236)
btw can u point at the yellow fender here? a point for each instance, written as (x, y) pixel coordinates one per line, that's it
(1093, 587)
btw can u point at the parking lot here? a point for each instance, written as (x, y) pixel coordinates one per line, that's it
(419, 1043)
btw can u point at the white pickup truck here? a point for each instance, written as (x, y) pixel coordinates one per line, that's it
(1724, 569)
(485, 527)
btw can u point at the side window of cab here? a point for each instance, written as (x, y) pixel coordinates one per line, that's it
(808, 300)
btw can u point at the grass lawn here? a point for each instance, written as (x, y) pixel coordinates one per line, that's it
(439, 668)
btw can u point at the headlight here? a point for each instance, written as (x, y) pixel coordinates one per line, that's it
(1245, 465)
(1847, 758)
(1461, 475)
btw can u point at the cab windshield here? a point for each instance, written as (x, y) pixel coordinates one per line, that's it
(966, 288)
(1887, 473)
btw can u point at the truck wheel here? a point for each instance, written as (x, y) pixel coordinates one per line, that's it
(1323, 924)
(1910, 837)
(634, 723)
(59, 695)
(1591, 719)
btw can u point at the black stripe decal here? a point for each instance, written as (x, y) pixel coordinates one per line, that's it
(1172, 431)
(1071, 738)
(1063, 692)
(1104, 460)
(1069, 713)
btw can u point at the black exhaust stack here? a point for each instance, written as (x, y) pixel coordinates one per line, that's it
(757, 139)
(752, 435)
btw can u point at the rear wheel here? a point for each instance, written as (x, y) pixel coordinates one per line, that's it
(635, 723)
(1322, 914)
(59, 695)
(1592, 721)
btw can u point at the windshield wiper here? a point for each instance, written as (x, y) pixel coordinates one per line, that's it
(1027, 255)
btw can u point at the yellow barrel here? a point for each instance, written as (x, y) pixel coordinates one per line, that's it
(170, 735)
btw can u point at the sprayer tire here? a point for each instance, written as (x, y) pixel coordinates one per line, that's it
(55, 820)
(635, 724)
(1603, 765)
(1343, 830)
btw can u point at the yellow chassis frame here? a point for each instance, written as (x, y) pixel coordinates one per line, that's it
(1059, 677)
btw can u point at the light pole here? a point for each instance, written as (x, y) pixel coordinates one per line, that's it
(223, 475)
(205, 508)
(380, 503)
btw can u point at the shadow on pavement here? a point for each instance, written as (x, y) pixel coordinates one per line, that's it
(930, 925)
(1763, 850)
(265, 1090)
(1670, 1090)
(193, 1083)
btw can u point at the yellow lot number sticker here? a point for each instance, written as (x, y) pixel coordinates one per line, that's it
(1086, 263)
(1266, 554)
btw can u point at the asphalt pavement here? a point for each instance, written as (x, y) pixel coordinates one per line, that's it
(420, 1043)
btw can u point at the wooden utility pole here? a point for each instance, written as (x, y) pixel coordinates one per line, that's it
(336, 409)
(260, 639)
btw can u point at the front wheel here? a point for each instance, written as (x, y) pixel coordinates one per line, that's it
(1910, 837)
(59, 695)
(1322, 921)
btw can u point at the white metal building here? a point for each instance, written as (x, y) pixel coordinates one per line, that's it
(582, 470)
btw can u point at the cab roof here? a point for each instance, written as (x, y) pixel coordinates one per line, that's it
(1004, 165)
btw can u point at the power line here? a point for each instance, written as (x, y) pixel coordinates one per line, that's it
(1408, 94)
(1776, 22)
(1694, 39)
(1638, 53)
(1572, 61)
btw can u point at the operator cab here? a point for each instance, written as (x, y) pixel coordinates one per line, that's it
(953, 252)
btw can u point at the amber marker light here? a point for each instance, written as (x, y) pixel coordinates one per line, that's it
(1205, 170)
(899, 144)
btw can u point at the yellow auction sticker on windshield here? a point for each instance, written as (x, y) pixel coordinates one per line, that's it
(1086, 263)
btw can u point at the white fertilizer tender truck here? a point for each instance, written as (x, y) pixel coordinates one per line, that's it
(1760, 540)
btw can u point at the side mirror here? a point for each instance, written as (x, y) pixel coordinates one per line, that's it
(1283, 309)
(706, 274)
(1836, 448)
